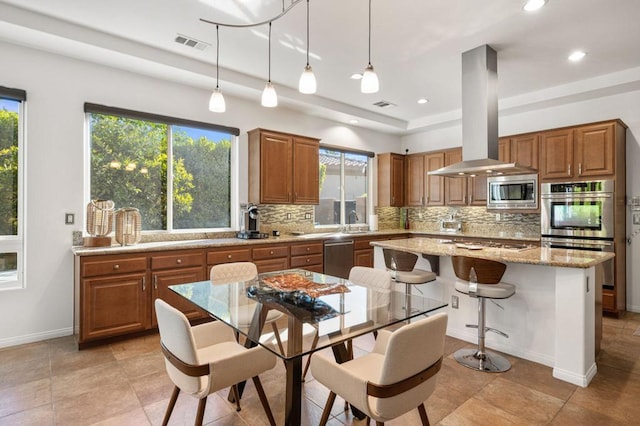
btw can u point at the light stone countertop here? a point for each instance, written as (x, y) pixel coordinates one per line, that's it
(320, 236)
(533, 256)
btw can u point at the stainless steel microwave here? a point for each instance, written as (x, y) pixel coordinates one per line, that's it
(513, 192)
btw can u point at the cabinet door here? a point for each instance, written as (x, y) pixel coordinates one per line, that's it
(271, 265)
(556, 150)
(415, 180)
(113, 305)
(477, 190)
(390, 180)
(504, 150)
(306, 171)
(161, 282)
(434, 186)
(595, 150)
(276, 173)
(524, 150)
(363, 258)
(455, 188)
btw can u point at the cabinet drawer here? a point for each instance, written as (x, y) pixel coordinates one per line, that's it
(176, 260)
(271, 265)
(362, 244)
(302, 261)
(270, 252)
(608, 301)
(302, 249)
(113, 266)
(227, 256)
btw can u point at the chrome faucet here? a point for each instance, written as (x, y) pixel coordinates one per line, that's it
(354, 213)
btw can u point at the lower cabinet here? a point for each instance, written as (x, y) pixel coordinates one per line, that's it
(113, 305)
(308, 256)
(271, 258)
(161, 282)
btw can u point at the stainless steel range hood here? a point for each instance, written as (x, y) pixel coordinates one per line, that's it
(480, 119)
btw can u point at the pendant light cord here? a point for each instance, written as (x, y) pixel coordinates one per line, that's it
(307, 32)
(369, 32)
(269, 52)
(217, 56)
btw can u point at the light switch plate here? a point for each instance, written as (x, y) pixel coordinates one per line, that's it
(69, 218)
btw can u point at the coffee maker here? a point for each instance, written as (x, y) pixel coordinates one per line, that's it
(250, 223)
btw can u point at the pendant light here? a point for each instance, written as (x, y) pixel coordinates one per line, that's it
(269, 96)
(369, 82)
(307, 84)
(216, 101)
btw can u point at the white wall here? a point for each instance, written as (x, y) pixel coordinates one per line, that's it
(624, 106)
(57, 88)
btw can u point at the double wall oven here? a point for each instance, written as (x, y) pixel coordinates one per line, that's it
(579, 216)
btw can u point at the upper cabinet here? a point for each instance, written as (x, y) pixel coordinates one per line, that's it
(390, 180)
(283, 168)
(521, 149)
(582, 152)
(455, 189)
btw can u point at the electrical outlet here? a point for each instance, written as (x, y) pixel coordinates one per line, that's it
(288, 216)
(307, 215)
(454, 301)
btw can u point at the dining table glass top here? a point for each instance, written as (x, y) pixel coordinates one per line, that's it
(305, 306)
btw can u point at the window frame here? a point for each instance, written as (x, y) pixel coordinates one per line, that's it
(91, 108)
(343, 214)
(11, 243)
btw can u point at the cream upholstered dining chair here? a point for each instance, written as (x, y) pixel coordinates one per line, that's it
(398, 375)
(244, 271)
(206, 358)
(368, 277)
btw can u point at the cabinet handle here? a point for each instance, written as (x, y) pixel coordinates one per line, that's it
(569, 170)
(308, 260)
(271, 252)
(228, 256)
(155, 282)
(464, 199)
(178, 261)
(470, 199)
(580, 169)
(144, 283)
(116, 266)
(308, 249)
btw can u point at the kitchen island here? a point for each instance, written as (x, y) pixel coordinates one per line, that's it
(553, 319)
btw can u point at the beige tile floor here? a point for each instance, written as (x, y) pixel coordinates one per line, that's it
(125, 383)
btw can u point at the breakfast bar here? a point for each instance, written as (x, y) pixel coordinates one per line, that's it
(555, 316)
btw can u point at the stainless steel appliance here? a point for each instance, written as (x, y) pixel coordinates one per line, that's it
(338, 257)
(577, 210)
(250, 223)
(518, 192)
(579, 216)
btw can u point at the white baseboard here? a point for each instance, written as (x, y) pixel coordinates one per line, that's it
(633, 308)
(576, 379)
(35, 337)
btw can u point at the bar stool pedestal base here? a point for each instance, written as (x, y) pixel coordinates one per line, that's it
(487, 361)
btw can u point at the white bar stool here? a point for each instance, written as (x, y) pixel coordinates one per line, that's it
(485, 285)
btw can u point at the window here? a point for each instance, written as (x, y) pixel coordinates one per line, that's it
(11, 188)
(176, 172)
(344, 183)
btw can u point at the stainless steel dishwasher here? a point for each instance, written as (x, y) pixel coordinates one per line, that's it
(338, 258)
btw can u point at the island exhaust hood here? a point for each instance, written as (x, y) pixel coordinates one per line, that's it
(480, 119)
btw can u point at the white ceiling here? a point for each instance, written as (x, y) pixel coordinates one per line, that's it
(416, 49)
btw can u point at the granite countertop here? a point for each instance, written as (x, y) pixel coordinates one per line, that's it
(320, 236)
(533, 255)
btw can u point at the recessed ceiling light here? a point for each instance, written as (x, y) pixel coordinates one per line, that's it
(532, 5)
(353, 121)
(423, 101)
(356, 76)
(576, 56)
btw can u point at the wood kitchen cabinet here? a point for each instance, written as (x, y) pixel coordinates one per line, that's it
(172, 268)
(421, 188)
(112, 297)
(283, 168)
(455, 189)
(521, 149)
(589, 151)
(271, 258)
(390, 180)
(308, 256)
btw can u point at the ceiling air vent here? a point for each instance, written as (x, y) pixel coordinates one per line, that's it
(385, 104)
(191, 42)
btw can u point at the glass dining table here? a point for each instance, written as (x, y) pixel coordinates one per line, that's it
(318, 311)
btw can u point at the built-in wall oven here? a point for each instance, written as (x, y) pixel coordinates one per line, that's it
(579, 216)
